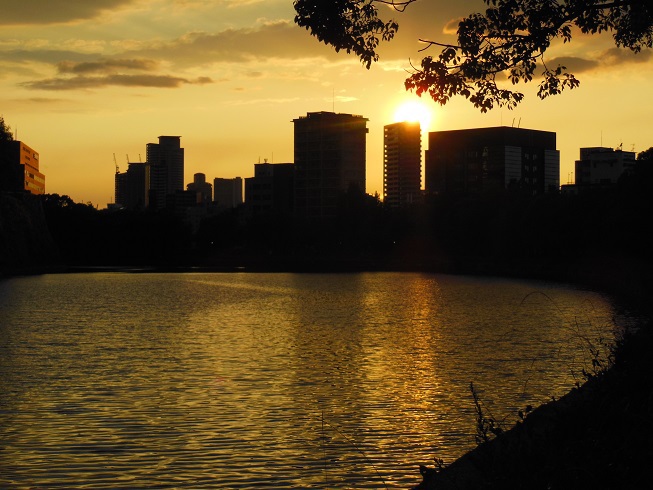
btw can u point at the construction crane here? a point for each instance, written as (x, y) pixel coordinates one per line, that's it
(116, 163)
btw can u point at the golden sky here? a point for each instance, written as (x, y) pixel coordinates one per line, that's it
(82, 80)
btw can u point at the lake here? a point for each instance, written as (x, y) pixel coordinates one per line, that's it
(248, 380)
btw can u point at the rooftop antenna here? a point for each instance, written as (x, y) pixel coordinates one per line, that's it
(139, 158)
(519, 123)
(127, 155)
(513, 123)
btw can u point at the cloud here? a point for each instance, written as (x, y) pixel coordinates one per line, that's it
(239, 3)
(84, 82)
(49, 56)
(619, 56)
(573, 64)
(610, 58)
(45, 100)
(106, 66)
(27, 12)
(279, 39)
(451, 27)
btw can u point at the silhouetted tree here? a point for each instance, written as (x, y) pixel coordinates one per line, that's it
(352, 25)
(5, 131)
(510, 39)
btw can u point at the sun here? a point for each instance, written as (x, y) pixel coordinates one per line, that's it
(413, 111)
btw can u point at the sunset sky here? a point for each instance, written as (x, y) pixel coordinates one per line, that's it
(82, 80)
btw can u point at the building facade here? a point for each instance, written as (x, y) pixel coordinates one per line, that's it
(402, 163)
(602, 167)
(228, 193)
(19, 168)
(329, 153)
(271, 190)
(165, 161)
(472, 161)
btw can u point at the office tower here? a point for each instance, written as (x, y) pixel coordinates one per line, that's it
(228, 193)
(165, 160)
(329, 161)
(481, 160)
(271, 190)
(402, 163)
(132, 186)
(601, 167)
(203, 188)
(19, 168)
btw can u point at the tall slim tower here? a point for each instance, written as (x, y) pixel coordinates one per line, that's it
(165, 161)
(402, 163)
(329, 161)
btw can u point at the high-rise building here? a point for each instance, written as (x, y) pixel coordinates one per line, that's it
(165, 161)
(19, 168)
(402, 163)
(271, 190)
(228, 193)
(600, 167)
(132, 186)
(481, 160)
(329, 161)
(203, 188)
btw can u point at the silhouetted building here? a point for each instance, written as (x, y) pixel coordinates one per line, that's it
(19, 168)
(329, 161)
(402, 163)
(602, 167)
(131, 187)
(165, 160)
(481, 160)
(120, 189)
(228, 193)
(271, 190)
(203, 188)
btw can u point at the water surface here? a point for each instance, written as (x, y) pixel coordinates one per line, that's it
(196, 380)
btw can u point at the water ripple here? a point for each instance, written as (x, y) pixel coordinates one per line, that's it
(270, 380)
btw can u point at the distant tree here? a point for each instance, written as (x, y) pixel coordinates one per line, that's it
(509, 40)
(646, 155)
(5, 131)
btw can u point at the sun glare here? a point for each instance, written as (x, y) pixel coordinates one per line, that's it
(414, 111)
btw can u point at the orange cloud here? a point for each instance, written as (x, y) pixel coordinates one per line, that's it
(84, 82)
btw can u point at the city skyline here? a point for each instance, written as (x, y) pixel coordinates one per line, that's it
(81, 84)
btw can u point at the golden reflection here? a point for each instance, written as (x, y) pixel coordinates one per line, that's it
(208, 380)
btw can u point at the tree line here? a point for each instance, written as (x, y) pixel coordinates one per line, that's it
(474, 232)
